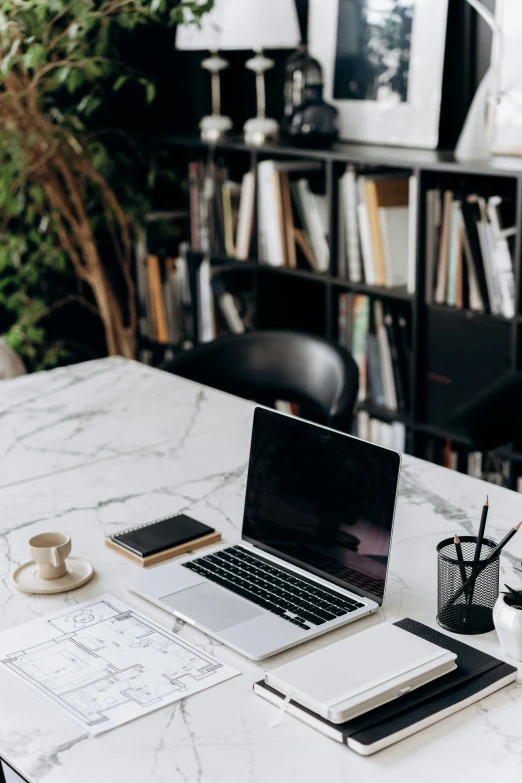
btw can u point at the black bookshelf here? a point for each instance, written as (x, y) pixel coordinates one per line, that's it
(324, 288)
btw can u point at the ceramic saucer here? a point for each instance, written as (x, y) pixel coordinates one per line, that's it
(79, 571)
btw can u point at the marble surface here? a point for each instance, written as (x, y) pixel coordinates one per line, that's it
(95, 448)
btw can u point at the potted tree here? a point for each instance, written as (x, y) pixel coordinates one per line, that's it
(59, 184)
(507, 617)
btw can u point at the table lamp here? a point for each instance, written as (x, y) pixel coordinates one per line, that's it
(258, 25)
(190, 37)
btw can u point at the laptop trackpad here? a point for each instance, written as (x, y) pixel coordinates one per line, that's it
(212, 606)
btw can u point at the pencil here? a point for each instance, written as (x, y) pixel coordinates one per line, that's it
(458, 547)
(478, 546)
(482, 565)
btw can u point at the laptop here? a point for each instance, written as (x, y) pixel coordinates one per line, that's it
(315, 544)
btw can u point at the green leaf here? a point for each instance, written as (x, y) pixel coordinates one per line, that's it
(150, 92)
(118, 84)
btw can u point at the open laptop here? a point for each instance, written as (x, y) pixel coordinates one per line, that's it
(316, 537)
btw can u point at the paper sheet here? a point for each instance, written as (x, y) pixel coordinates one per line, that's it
(104, 664)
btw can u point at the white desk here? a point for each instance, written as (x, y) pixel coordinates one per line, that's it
(97, 447)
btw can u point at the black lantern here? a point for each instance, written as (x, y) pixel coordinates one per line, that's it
(300, 71)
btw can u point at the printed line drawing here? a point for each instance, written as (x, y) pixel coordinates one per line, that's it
(103, 658)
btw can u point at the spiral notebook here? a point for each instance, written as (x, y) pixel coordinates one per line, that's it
(162, 539)
(477, 675)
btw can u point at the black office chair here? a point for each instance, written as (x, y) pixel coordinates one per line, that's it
(265, 366)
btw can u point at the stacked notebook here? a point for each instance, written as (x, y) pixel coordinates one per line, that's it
(411, 688)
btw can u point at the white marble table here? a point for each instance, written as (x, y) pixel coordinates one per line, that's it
(97, 447)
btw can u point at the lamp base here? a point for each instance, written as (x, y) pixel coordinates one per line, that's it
(258, 130)
(214, 128)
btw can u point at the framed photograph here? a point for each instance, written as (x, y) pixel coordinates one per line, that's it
(383, 63)
(506, 113)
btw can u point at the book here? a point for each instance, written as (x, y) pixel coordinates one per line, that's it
(156, 299)
(230, 197)
(383, 192)
(413, 191)
(349, 225)
(288, 220)
(373, 361)
(453, 250)
(195, 179)
(270, 228)
(477, 676)
(393, 225)
(394, 353)
(503, 265)
(314, 225)
(161, 539)
(442, 266)
(385, 662)
(433, 226)
(245, 216)
(475, 300)
(301, 241)
(472, 247)
(361, 324)
(207, 331)
(390, 393)
(366, 245)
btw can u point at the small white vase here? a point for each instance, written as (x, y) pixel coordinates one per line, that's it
(508, 624)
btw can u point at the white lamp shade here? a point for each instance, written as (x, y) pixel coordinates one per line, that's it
(243, 24)
(190, 37)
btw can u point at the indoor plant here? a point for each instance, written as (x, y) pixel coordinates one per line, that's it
(507, 617)
(60, 187)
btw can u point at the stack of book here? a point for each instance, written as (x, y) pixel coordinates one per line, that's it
(365, 704)
(377, 335)
(292, 220)
(221, 211)
(378, 229)
(162, 280)
(469, 253)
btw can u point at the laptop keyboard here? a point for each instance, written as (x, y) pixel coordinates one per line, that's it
(268, 586)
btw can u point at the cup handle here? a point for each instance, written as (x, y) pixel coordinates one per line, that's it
(55, 558)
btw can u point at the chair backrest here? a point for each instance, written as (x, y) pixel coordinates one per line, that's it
(271, 365)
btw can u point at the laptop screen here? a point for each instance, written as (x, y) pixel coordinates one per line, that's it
(321, 500)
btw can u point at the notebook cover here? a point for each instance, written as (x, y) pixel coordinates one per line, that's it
(161, 535)
(476, 672)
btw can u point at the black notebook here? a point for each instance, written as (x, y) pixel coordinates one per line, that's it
(162, 534)
(477, 675)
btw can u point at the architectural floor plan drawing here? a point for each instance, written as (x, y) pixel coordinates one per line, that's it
(105, 664)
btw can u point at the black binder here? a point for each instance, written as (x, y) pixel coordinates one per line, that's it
(477, 675)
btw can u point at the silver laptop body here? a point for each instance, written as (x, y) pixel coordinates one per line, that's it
(316, 537)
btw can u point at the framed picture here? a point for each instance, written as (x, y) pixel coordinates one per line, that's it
(383, 64)
(506, 113)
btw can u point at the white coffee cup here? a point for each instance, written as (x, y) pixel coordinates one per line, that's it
(49, 551)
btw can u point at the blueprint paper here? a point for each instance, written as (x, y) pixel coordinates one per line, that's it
(104, 664)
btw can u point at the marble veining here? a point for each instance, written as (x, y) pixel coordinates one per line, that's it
(98, 447)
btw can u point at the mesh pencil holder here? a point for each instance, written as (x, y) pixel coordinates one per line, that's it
(471, 612)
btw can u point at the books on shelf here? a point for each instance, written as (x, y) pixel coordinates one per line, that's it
(377, 335)
(391, 435)
(245, 219)
(292, 220)
(161, 279)
(378, 229)
(469, 255)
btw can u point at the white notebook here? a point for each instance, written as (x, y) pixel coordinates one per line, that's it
(362, 672)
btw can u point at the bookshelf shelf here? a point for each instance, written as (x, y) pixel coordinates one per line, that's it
(302, 298)
(471, 314)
